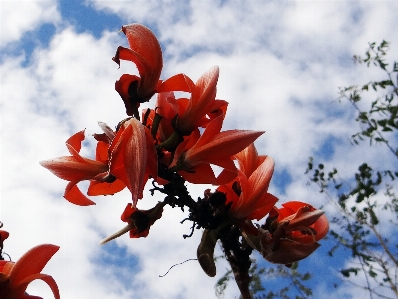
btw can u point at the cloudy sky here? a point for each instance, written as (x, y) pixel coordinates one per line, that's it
(281, 63)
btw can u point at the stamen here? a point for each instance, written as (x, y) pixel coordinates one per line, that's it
(124, 230)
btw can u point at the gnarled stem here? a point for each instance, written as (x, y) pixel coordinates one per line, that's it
(238, 255)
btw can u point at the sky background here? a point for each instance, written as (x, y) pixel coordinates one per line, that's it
(281, 63)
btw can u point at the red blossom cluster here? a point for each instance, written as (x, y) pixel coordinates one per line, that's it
(178, 141)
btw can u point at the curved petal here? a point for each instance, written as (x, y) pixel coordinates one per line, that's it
(74, 168)
(75, 196)
(104, 188)
(291, 207)
(225, 144)
(132, 157)
(146, 53)
(143, 42)
(214, 146)
(122, 86)
(75, 141)
(46, 278)
(304, 216)
(260, 179)
(203, 95)
(224, 162)
(321, 227)
(298, 217)
(179, 82)
(166, 105)
(205, 87)
(212, 129)
(289, 251)
(32, 262)
(248, 160)
(226, 176)
(203, 174)
(263, 206)
(101, 152)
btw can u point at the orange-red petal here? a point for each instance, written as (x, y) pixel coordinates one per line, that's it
(217, 147)
(179, 82)
(46, 278)
(248, 159)
(133, 157)
(146, 53)
(104, 188)
(263, 206)
(203, 174)
(202, 98)
(75, 196)
(32, 262)
(76, 140)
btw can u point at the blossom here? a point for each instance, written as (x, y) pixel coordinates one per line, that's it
(301, 222)
(144, 50)
(290, 233)
(192, 112)
(75, 169)
(193, 156)
(202, 101)
(139, 221)
(248, 194)
(133, 157)
(15, 277)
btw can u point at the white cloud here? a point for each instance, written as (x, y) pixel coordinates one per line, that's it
(19, 17)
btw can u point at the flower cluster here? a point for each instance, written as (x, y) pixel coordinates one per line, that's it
(181, 140)
(16, 276)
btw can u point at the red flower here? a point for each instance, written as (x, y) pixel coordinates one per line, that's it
(139, 221)
(133, 157)
(194, 156)
(75, 169)
(248, 194)
(15, 277)
(146, 53)
(301, 222)
(289, 234)
(192, 113)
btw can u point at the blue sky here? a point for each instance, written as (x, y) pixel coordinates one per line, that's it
(281, 63)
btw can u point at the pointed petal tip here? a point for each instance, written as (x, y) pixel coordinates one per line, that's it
(215, 68)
